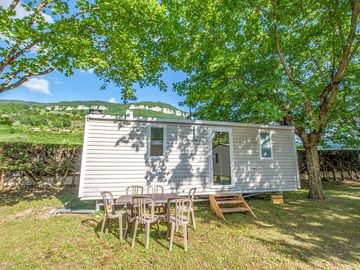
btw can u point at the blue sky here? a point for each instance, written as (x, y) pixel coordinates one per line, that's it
(86, 86)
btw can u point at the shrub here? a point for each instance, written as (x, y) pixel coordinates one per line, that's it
(334, 163)
(5, 120)
(39, 161)
(66, 123)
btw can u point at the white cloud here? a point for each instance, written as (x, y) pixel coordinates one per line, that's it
(21, 12)
(38, 85)
(112, 100)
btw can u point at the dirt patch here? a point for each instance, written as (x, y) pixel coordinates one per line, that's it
(19, 215)
(351, 183)
(38, 213)
(44, 212)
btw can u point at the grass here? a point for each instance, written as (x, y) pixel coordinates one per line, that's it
(300, 234)
(16, 134)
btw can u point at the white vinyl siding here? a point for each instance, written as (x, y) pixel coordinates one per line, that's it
(116, 155)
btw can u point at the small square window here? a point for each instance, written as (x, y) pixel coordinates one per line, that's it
(156, 141)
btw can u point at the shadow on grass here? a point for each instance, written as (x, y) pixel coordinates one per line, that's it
(67, 196)
(12, 197)
(95, 225)
(309, 230)
(318, 234)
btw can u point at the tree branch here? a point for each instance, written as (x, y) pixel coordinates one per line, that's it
(302, 134)
(36, 14)
(22, 46)
(7, 59)
(25, 78)
(9, 79)
(288, 119)
(321, 74)
(12, 54)
(331, 20)
(347, 52)
(340, 29)
(290, 73)
(13, 4)
(324, 94)
(84, 11)
(24, 50)
(355, 49)
(329, 94)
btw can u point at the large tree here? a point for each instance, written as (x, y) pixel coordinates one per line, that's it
(291, 62)
(287, 62)
(118, 39)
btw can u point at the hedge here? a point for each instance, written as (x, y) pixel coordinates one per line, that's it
(35, 163)
(335, 164)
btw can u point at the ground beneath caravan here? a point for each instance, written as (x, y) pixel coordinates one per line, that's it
(301, 234)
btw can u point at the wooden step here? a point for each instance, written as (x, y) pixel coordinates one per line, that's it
(230, 202)
(234, 210)
(232, 199)
(224, 195)
(214, 206)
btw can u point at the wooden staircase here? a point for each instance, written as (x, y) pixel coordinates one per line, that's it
(234, 203)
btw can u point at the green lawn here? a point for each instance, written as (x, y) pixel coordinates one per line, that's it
(23, 134)
(301, 234)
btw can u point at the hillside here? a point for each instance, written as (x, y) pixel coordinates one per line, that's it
(63, 122)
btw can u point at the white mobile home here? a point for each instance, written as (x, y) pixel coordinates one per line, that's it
(214, 157)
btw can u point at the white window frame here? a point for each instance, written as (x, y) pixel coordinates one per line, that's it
(149, 141)
(210, 156)
(270, 132)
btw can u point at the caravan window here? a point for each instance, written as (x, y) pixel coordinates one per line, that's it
(265, 145)
(156, 141)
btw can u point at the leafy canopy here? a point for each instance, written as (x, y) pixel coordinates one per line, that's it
(269, 61)
(118, 39)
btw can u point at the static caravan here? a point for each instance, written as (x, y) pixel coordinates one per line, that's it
(213, 156)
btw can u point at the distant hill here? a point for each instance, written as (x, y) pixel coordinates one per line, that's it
(63, 122)
(7, 101)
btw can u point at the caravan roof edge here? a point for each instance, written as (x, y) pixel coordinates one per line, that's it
(182, 121)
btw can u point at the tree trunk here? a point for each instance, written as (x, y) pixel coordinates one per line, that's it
(2, 180)
(341, 174)
(356, 174)
(313, 166)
